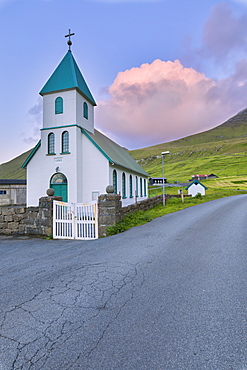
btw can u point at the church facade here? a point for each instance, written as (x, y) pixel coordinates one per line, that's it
(72, 157)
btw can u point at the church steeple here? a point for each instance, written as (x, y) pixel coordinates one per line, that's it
(67, 76)
(67, 99)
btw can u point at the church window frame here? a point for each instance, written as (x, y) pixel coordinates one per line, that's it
(59, 105)
(137, 187)
(131, 186)
(141, 192)
(124, 186)
(114, 180)
(65, 142)
(145, 188)
(85, 110)
(51, 143)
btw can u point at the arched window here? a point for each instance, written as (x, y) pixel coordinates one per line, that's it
(141, 187)
(131, 187)
(85, 110)
(59, 105)
(145, 188)
(65, 142)
(114, 175)
(51, 143)
(123, 185)
(137, 187)
(58, 178)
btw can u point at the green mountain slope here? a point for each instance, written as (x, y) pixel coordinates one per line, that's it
(221, 150)
(12, 169)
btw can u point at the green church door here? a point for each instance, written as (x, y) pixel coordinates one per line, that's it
(59, 183)
(60, 191)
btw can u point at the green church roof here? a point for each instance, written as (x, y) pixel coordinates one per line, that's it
(24, 165)
(67, 75)
(114, 152)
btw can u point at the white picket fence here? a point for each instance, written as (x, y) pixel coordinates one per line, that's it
(75, 220)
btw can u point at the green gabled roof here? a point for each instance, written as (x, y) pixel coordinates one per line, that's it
(196, 182)
(67, 75)
(31, 154)
(114, 152)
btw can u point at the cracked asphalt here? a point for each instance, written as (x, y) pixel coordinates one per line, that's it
(170, 294)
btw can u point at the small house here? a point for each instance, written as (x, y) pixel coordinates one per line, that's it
(12, 191)
(196, 187)
(203, 177)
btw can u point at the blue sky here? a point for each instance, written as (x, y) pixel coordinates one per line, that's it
(159, 70)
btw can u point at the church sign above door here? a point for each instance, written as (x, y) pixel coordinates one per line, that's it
(58, 160)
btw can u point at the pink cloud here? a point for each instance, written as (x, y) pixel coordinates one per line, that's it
(163, 101)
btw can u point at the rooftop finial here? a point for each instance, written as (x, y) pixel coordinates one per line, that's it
(69, 41)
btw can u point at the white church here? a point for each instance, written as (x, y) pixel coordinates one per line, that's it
(72, 157)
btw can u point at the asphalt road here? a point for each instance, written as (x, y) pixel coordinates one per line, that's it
(171, 294)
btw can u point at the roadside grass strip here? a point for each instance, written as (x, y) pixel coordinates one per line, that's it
(173, 205)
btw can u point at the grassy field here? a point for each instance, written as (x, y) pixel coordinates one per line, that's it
(181, 165)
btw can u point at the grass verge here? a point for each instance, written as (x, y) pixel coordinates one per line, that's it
(173, 205)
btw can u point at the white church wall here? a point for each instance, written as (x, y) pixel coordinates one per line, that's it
(135, 189)
(35, 181)
(67, 162)
(50, 119)
(72, 110)
(94, 171)
(43, 165)
(88, 124)
(78, 173)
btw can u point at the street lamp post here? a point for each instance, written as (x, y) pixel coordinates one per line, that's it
(163, 177)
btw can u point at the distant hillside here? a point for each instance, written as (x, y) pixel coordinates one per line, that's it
(12, 169)
(221, 150)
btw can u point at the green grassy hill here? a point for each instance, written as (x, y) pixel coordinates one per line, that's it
(221, 150)
(12, 169)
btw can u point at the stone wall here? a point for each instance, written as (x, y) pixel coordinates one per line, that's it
(20, 220)
(111, 210)
(141, 206)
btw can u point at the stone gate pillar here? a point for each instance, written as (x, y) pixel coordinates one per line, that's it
(109, 206)
(46, 213)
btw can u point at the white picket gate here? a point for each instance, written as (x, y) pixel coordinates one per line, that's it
(75, 220)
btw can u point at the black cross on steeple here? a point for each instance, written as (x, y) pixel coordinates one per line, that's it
(69, 41)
